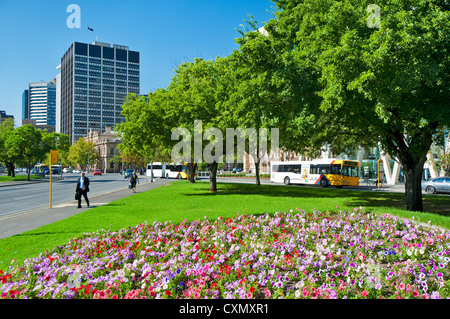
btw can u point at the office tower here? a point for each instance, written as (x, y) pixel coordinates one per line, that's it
(42, 102)
(4, 116)
(58, 101)
(25, 105)
(95, 79)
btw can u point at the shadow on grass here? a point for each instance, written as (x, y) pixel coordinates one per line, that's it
(435, 204)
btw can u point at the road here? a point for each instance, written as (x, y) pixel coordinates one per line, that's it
(18, 198)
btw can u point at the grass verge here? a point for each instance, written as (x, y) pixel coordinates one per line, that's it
(179, 200)
(5, 178)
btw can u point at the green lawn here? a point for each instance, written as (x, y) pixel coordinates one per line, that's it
(180, 200)
(5, 178)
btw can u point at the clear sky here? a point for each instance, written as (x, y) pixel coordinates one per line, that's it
(34, 36)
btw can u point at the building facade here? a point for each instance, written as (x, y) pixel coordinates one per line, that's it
(94, 81)
(4, 116)
(39, 103)
(25, 105)
(106, 145)
(43, 128)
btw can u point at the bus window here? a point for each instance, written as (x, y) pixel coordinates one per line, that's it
(324, 169)
(350, 171)
(345, 170)
(336, 169)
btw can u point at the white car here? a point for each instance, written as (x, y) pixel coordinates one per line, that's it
(76, 171)
(67, 170)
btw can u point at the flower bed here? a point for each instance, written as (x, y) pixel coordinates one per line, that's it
(294, 254)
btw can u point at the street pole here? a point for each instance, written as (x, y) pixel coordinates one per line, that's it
(50, 182)
(151, 170)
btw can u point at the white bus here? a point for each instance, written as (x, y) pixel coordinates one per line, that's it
(157, 169)
(327, 172)
(164, 170)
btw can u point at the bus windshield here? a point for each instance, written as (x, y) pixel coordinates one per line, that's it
(350, 171)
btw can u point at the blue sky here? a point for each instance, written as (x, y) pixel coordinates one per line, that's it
(34, 35)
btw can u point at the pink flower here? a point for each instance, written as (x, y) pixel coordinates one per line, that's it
(364, 293)
(249, 295)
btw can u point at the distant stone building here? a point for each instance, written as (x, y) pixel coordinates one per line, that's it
(106, 146)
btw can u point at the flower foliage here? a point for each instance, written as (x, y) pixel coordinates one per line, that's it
(294, 254)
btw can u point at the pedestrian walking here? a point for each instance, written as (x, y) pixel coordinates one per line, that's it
(133, 181)
(82, 189)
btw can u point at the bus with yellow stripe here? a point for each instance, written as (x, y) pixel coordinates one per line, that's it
(325, 172)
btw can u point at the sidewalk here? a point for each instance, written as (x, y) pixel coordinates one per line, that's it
(20, 222)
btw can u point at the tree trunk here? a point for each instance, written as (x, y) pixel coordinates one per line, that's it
(258, 181)
(11, 170)
(413, 188)
(191, 170)
(212, 168)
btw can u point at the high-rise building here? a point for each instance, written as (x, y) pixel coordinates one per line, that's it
(95, 79)
(41, 103)
(25, 105)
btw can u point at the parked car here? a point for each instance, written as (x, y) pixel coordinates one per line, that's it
(128, 173)
(34, 171)
(237, 170)
(437, 185)
(76, 171)
(67, 170)
(97, 172)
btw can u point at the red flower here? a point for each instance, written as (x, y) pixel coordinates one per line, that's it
(364, 293)
(168, 293)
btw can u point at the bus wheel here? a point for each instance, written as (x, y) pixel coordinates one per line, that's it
(324, 182)
(287, 181)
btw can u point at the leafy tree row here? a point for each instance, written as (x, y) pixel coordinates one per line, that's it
(321, 74)
(26, 145)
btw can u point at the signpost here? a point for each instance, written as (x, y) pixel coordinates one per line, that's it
(380, 173)
(53, 159)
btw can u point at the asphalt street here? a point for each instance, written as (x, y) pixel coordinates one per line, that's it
(29, 219)
(21, 196)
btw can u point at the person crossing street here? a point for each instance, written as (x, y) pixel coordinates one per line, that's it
(82, 189)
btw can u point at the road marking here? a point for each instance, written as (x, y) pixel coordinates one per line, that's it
(26, 197)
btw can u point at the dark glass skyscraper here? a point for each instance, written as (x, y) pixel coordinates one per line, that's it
(25, 105)
(95, 79)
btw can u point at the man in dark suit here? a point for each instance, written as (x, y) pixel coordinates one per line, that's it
(82, 189)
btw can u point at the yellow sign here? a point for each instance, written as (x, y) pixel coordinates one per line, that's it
(53, 156)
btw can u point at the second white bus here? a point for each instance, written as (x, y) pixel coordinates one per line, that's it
(329, 172)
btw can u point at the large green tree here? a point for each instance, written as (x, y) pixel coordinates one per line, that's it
(27, 145)
(193, 105)
(83, 153)
(7, 158)
(384, 82)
